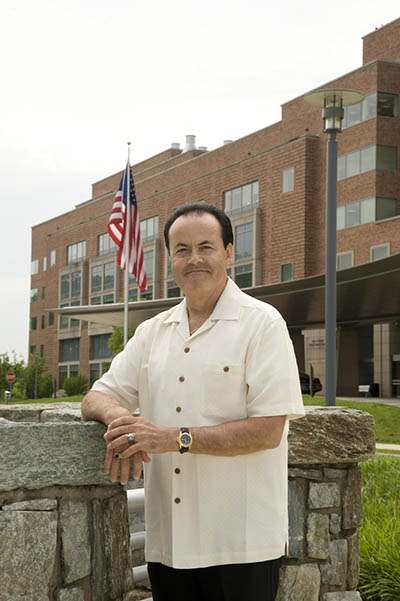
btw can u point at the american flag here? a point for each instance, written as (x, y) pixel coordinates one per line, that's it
(117, 228)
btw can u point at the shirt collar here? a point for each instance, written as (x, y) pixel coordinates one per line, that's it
(227, 307)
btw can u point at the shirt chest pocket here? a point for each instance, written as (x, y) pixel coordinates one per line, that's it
(224, 391)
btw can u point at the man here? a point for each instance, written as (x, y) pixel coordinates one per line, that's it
(216, 381)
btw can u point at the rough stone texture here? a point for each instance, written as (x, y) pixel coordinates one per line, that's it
(99, 571)
(334, 474)
(51, 454)
(35, 505)
(308, 474)
(342, 596)
(61, 415)
(32, 413)
(352, 504)
(323, 495)
(76, 549)
(297, 519)
(331, 435)
(353, 561)
(318, 536)
(74, 593)
(27, 553)
(117, 545)
(335, 524)
(299, 583)
(334, 572)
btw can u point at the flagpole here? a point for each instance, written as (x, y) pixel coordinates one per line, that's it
(127, 240)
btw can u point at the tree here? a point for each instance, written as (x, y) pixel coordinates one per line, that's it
(44, 378)
(116, 340)
(17, 366)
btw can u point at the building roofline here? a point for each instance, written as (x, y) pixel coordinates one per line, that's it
(379, 28)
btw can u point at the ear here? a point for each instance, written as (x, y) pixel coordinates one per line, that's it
(229, 252)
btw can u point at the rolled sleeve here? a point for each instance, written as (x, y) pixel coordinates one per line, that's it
(272, 374)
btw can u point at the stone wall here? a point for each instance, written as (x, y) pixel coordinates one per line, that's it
(64, 532)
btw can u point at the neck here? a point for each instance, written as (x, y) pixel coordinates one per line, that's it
(201, 305)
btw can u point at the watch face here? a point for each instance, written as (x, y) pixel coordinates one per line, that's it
(185, 439)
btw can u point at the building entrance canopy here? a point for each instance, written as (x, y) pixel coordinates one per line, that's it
(368, 293)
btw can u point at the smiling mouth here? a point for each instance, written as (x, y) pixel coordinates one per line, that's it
(197, 271)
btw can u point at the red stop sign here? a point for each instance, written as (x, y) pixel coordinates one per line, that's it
(11, 377)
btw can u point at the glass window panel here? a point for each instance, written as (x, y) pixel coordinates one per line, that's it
(148, 264)
(344, 261)
(352, 214)
(173, 290)
(369, 106)
(100, 348)
(286, 272)
(44, 263)
(340, 218)
(244, 241)
(368, 159)
(34, 267)
(52, 257)
(94, 373)
(42, 350)
(65, 286)
(43, 322)
(95, 300)
(169, 269)
(133, 294)
(385, 208)
(142, 226)
(70, 349)
(254, 188)
(353, 114)
(75, 322)
(387, 105)
(228, 201)
(73, 370)
(108, 299)
(236, 200)
(96, 278)
(43, 292)
(32, 349)
(386, 157)
(62, 374)
(34, 295)
(148, 294)
(33, 323)
(379, 252)
(150, 228)
(342, 167)
(367, 210)
(353, 163)
(247, 197)
(288, 180)
(76, 283)
(244, 276)
(51, 318)
(108, 276)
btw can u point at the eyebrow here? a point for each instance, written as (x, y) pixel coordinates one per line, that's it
(183, 245)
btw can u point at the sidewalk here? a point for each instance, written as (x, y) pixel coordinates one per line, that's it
(393, 402)
(387, 447)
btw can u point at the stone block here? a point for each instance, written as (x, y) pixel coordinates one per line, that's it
(308, 474)
(34, 505)
(74, 593)
(331, 435)
(323, 495)
(299, 583)
(334, 474)
(352, 504)
(117, 548)
(99, 575)
(28, 541)
(335, 523)
(318, 536)
(334, 572)
(61, 415)
(342, 596)
(297, 518)
(353, 561)
(76, 548)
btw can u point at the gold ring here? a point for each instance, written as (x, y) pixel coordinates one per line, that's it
(131, 437)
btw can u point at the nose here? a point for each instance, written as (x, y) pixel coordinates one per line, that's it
(194, 258)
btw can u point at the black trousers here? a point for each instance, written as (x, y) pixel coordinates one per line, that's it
(233, 582)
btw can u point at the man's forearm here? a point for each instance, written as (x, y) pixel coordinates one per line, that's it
(102, 407)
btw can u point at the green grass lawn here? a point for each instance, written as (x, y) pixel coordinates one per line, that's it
(67, 399)
(387, 418)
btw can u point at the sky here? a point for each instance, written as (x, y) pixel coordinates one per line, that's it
(81, 78)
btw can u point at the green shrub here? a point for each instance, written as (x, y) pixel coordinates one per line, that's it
(380, 532)
(75, 385)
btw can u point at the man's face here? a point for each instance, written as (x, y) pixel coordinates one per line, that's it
(198, 257)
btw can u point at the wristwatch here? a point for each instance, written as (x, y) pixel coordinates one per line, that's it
(184, 440)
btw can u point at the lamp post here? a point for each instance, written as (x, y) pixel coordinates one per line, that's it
(332, 103)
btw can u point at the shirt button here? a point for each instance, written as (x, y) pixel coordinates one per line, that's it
(226, 368)
(178, 409)
(177, 500)
(177, 470)
(181, 378)
(187, 349)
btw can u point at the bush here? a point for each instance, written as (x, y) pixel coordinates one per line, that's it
(75, 385)
(380, 533)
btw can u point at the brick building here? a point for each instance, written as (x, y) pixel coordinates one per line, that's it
(272, 184)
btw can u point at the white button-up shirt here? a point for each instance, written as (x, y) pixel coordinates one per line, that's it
(204, 510)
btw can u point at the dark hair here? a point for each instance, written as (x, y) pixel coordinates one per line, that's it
(200, 208)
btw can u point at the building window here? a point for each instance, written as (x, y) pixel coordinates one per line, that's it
(67, 371)
(106, 244)
(149, 229)
(366, 211)
(102, 279)
(367, 159)
(241, 199)
(244, 275)
(32, 349)
(287, 180)
(147, 294)
(43, 292)
(379, 104)
(173, 290)
(43, 321)
(44, 263)
(70, 349)
(42, 350)
(51, 318)
(344, 260)
(243, 241)
(76, 252)
(67, 322)
(99, 347)
(380, 252)
(70, 285)
(286, 272)
(52, 258)
(33, 323)
(34, 295)
(148, 262)
(34, 267)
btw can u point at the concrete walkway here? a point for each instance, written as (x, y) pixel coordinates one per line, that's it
(387, 447)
